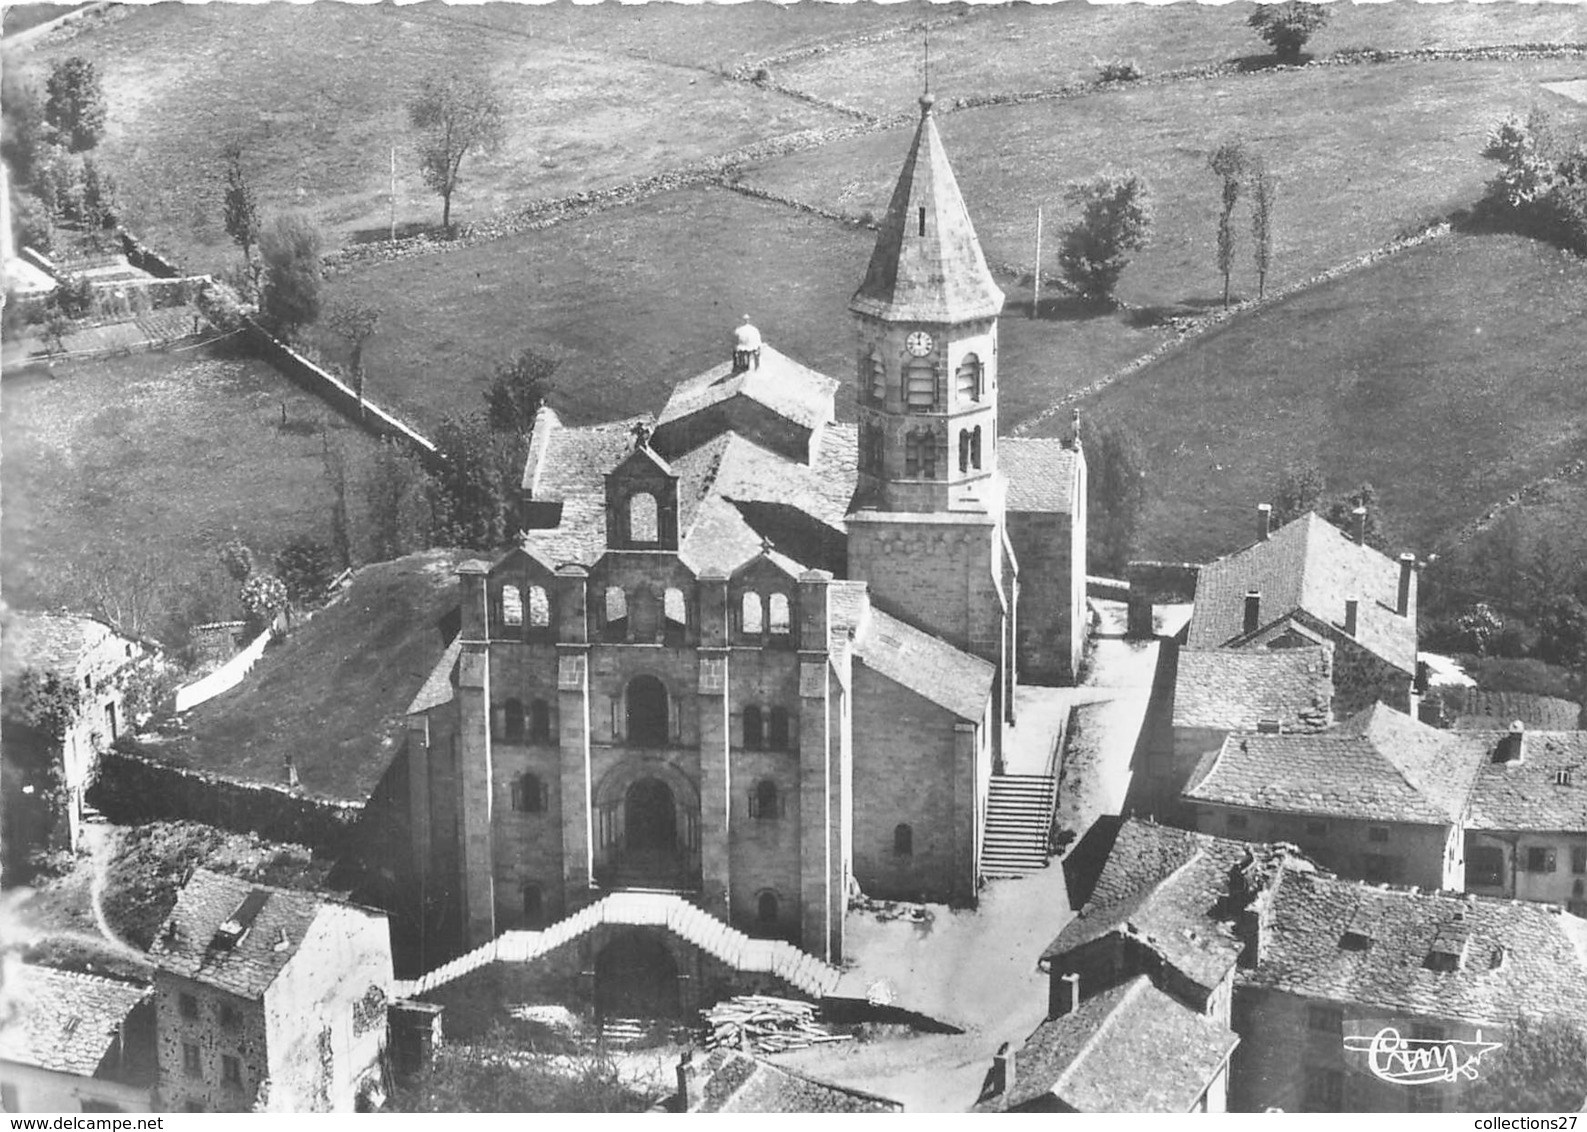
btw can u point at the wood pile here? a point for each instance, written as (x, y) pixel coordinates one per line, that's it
(761, 1023)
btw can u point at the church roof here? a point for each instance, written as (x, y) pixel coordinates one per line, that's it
(926, 665)
(789, 389)
(927, 266)
(1040, 474)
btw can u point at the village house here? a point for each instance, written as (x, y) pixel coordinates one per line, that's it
(88, 655)
(1307, 583)
(71, 1042)
(1296, 961)
(729, 1080)
(268, 999)
(753, 655)
(1380, 797)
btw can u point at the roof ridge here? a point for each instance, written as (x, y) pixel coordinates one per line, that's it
(1108, 1023)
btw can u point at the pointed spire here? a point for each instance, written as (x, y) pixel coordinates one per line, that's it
(927, 266)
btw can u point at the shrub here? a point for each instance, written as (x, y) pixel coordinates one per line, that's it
(263, 596)
(237, 558)
(74, 297)
(1478, 627)
(1287, 27)
(1117, 70)
(305, 566)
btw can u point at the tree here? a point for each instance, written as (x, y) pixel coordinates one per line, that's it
(290, 247)
(1228, 162)
(241, 208)
(1286, 27)
(1116, 492)
(471, 493)
(23, 136)
(1299, 491)
(1541, 1067)
(395, 503)
(237, 559)
(356, 323)
(1263, 188)
(305, 566)
(1562, 632)
(75, 104)
(1115, 219)
(453, 115)
(99, 198)
(1342, 509)
(334, 459)
(263, 596)
(518, 390)
(45, 701)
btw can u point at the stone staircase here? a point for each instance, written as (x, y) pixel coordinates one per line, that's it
(1019, 813)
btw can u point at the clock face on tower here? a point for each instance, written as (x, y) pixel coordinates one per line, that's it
(918, 343)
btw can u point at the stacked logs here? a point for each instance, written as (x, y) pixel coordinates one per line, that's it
(763, 1024)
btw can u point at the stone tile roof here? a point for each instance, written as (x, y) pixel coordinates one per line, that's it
(49, 642)
(1164, 888)
(335, 694)
(1308, 565)
(567, 462)
(1040, 474)
(438, 689)
(1482, 710)
(209, 900)
(1131, 1048)
(61, 1020)
(940, 276)
(926, 665)
(1527, 793)
(1380, 765)
(1237, 689)
(732, 1081)
(1515, 958)
(791, 390)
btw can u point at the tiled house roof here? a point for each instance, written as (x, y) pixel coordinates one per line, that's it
(1504, 959)
(1163, 886)
(926, 665)
(61, 1020)
(49, 642)
(1237, 689)
(731, 1081)
(1380, 765)
(927, 265)
(190, 943)
(1040, 474)
(1131, 1048)
(1312, 567)
(1544, 790)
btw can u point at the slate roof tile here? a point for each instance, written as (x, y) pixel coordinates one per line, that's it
(733, 1081)
(926, 665)
(1040, 474)
(791, 390)
(1527, 794)
(61, 1020)
(49, 642)
(1484, 710)
(1237, 689)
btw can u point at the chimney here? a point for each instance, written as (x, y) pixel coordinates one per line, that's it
(1360, 516)
(1402, 605)
(1509, 747)
(688, 1084)
(746, 347)
(1264, 521)
(1253, 610)
(476, 621)
(1063, 995)
(1351, 605)
(1002, 1071)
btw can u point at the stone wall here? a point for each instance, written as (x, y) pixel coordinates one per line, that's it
(1428, 856)
(1043, 544)
(226, 1026)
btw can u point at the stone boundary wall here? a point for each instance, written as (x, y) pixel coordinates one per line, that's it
(1528, 493)
(132, 787)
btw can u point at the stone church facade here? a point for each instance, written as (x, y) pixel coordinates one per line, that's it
(752, 654)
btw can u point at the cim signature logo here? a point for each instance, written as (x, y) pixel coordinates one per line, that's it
(1420, 1061)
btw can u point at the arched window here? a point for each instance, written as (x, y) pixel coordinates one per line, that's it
(878, 378)
(616, 612)
(967, 379)
(920, 454)
(533, 904)
(964, 450)
(512, 721)
(674, 607)
(777, 736)
(764, 802)
(539, 608)
(777, 617)
(975, 448)
(751, 618)
(903, 840)
(766, 909)
(642, 520)
(539, 722)
(920, 386)
(647, 712)
(754, 728)
(511, 606)
(529, 794)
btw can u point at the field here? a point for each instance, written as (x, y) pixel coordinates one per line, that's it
(1448, 376)
(162, 455)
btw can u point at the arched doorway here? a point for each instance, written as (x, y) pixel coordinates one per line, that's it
(650, 817)
(647, 712)
(636, 977)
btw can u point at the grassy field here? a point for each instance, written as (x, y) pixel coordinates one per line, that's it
(1448, 376)
(637, 299)
(1361, 153)
(155, 454)
(1041, 46)
(316, 94)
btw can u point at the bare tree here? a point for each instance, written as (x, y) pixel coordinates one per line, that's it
(242, 209)
(1228, 161)
(356, 322)
(1263, 188)
(454, 115)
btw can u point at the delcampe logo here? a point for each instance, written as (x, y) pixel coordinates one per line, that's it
(1420, 1061)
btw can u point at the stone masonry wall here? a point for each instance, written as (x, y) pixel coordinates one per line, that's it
(1042, 547)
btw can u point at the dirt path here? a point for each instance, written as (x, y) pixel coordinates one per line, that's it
(99, 840)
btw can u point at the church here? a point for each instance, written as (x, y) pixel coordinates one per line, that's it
(754, 655)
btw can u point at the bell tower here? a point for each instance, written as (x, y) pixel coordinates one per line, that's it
(927, 322)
